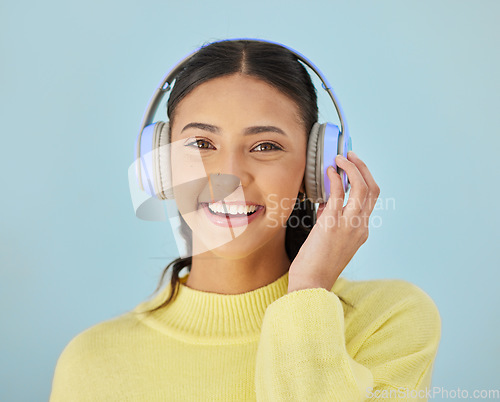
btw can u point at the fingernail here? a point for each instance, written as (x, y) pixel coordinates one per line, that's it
(351, 153)
(342, 157)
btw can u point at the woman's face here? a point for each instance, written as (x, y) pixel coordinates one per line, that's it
(243, 129)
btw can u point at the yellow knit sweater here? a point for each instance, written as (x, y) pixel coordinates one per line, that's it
(264, 345)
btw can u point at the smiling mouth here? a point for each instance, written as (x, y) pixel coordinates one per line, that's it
(232, 209)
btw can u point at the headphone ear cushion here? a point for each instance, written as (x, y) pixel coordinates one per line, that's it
(312, 176)
(164, 171)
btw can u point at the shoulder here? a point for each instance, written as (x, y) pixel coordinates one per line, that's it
(383, 292)
(92, 357)
(390, 305)
(98, 341)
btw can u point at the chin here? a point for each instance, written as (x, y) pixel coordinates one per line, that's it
(237, 248)
(213, 239)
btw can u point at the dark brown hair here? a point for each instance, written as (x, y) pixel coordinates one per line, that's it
(274, 65)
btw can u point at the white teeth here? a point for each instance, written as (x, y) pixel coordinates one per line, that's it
(221, 208)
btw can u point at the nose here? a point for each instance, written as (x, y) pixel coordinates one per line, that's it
(231, 162)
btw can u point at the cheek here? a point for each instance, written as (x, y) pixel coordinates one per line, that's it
(282, 185)
(188, 179)
(187, 164)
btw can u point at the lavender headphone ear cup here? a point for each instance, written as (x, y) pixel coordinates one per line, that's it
(163, 165)
(322, 148)
(312, 176)
(146, 165)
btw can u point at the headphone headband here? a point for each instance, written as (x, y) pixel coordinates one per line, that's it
(165, 84)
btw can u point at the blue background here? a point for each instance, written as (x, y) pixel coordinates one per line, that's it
(418, 82)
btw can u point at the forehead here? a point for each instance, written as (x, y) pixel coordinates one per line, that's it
(238, 98)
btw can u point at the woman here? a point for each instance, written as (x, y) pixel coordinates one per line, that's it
(264, 314)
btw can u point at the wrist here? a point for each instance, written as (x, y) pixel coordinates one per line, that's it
(295, 284)
(294, 288)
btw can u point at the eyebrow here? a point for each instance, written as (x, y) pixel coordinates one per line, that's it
(248, 130)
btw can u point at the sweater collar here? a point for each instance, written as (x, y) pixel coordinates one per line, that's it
(211, 318)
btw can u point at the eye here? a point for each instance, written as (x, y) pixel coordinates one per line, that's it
(266, 147)
(200, 144)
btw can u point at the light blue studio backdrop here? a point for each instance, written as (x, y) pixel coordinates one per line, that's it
(418, 83)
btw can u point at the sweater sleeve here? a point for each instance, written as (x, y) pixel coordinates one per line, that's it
(302, 353)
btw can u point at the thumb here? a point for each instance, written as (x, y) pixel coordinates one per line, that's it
(321, 207)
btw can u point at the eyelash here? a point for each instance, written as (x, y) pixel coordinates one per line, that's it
(197, 142)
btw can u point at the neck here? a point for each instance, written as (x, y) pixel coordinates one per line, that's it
(215, 273)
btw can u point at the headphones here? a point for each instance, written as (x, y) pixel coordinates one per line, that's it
(326, 140)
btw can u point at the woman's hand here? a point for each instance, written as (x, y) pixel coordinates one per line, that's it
(339, 231)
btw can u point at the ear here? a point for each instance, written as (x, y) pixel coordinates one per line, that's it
(302, 188)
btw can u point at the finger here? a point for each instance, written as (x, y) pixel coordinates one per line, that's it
(359, 188)
(373, 188)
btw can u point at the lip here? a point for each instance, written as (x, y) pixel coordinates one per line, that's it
(232, 221)
(233, 202)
